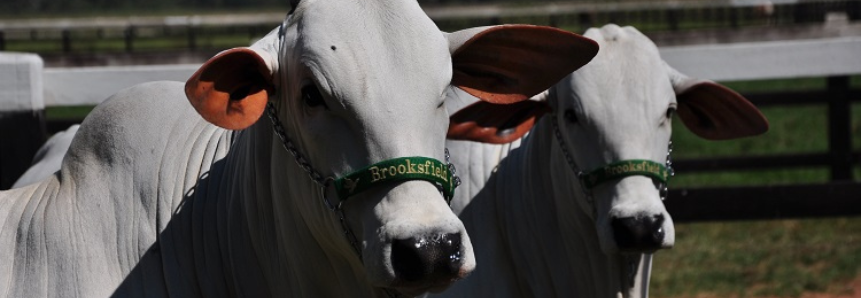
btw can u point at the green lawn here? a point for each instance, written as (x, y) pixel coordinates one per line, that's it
(763, 258)
(767, 258)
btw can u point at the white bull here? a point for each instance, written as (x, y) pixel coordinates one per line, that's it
(539, 230)
(152, 200)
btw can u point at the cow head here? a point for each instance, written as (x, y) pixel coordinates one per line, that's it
(360, 82)
(615, 110)
(620, 107)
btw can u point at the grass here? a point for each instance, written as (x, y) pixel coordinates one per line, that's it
(754, 259)
(784, 258)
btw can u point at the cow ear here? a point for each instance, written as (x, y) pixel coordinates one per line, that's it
(715, 112)
(492, 123)
(510, 63)
(231, 89)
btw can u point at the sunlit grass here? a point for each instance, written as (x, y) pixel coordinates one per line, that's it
(753, 259)
(763, 258)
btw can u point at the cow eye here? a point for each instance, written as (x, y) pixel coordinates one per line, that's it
(570, 116)
(312, 97)
(670, 112)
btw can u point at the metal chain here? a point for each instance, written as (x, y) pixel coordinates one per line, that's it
(351, 237)
(664, 188)
(315, 176)
(564, 147)
(453, 170)
(571, 162)
(288, 145)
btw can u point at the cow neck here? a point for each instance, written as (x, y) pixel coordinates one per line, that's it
(632, 270)
(611, 275)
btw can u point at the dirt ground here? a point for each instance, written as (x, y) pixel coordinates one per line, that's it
(852, 290)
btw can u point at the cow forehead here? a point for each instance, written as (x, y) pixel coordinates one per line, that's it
(627, 73)
(623, 93)
(377, 48)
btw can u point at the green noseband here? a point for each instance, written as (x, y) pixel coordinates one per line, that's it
(625, 168)
(397, 170)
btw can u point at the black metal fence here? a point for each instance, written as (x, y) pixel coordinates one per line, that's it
(841, 196)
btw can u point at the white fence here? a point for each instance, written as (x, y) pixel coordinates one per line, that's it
(719, 62)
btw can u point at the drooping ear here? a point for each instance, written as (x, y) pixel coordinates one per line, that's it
(492, 123)
(715, 112)
(232, 88)
(510, 63)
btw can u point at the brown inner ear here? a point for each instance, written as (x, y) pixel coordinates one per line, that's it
(231, 90)
(494, 123)
(715, 112)
(511, 63)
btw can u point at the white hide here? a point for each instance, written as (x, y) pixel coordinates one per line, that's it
(524, 207)
(153, 201)
(49, 157)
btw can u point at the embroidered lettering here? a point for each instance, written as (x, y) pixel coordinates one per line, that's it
(375, 174)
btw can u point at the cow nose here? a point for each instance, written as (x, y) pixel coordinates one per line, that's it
(639, 234)
(434, 257)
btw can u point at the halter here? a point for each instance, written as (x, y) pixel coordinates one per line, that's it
(441, 174)
(658, 172)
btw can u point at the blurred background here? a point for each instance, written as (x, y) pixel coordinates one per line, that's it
(769, 216)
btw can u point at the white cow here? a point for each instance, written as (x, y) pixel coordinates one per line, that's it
(152, 200)
(49, 157)
(546, 232)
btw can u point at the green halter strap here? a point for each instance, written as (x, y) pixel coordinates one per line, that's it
(396, 170)
(626, 168)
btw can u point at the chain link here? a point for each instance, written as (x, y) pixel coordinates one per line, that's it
(351, 237)
(288, 145)
(315, 176)
(571, 163)
(664, 187)
(453, 170)
(564, 147)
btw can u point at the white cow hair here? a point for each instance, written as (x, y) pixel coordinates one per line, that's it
(523, 205)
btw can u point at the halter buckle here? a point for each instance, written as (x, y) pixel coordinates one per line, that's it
(323, 187)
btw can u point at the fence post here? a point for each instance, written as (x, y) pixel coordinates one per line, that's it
(733, 17)
(839, 128)
(585, 19)
(673, 19)
(192, 37)
(129, 38)
(67, 41)
(22, 110)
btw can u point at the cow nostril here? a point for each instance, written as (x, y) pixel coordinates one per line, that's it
(427, 257)
(639, 234)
